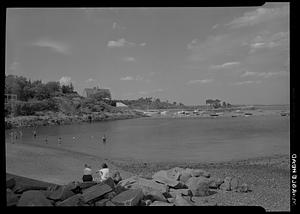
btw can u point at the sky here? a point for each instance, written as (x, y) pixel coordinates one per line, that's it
(239, 55)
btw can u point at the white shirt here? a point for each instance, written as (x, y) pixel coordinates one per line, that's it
(104, 173)
(87, 171)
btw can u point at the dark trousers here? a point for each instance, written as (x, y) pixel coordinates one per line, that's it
(87, 178)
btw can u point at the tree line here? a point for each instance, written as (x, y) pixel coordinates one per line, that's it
(27, 90)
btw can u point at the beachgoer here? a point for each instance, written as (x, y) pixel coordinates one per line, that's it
(34, 133)
(46, 139)
(104, 139)
(59, 140)
(104, 172)
(21, 134)
(12, 138)
(87, 173)
(16, 135)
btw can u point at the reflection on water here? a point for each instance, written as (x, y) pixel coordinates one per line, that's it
(202, 139)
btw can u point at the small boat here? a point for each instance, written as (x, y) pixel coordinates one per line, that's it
(247, 113)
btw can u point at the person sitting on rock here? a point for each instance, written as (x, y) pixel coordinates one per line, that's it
(87, 173)
(104, 172)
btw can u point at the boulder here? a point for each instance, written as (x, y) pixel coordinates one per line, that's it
(21, 188)
(234, 183)
(226, 185)
(155, 195)
(215, 183)
(180, 201)
(148, 202)
(129, 197)
(33, 198)
(184, 177)
(116, 176)
(149, 185)
(200, 172)
(71, 201)
(95, 192)
(126, 183)
(162, 177)
(10, 182)
(110, 195)
(86, 184)
(185, 192)
(11, 198)
(174, 173)
(243, 188)
(199, 186)
(109, 204)
(110, 182)
(63, 192)
(102, 202)
(161, 203)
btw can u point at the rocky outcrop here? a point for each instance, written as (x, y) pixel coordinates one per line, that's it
(167, 188)
(199, 186)
(130, 197)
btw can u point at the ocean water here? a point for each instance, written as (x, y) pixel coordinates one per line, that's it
(171, 139)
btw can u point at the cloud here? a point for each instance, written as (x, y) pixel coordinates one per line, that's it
(91, 80)
(265, 74)
(226, 65)
(123, 43)
(247, 82)
(248, 73)
(260, 15)
(14, 66)
(58, 47)
(203, 81)
(223, 46)
(265, 40)
(129, 59)
(127, 78)
(130, 78)
(65, 80)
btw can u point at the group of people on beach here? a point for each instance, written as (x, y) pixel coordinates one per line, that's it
(102, 175)
(15, 135)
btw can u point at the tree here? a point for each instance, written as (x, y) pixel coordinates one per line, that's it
(53, 87)
(224, 104)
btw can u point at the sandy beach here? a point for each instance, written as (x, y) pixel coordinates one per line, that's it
(268, 177)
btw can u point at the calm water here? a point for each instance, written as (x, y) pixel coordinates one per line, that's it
(197, 139)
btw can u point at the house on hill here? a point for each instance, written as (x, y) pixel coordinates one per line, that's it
(121, 105)
(97, 92)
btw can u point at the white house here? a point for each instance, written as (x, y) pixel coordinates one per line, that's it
(119, 104)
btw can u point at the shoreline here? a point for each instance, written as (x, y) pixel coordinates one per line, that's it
(62, 119)
(268, 176)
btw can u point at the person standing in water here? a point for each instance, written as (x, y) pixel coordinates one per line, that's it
(34, 133)
(21, 134)
(59, 140)
(104, 139)
(12, 137)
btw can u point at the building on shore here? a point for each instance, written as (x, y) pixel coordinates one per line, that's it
(96, 91)
(121, 105)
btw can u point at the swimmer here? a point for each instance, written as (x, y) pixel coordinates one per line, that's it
(21, 134)
(104, 139)
(34, 133)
